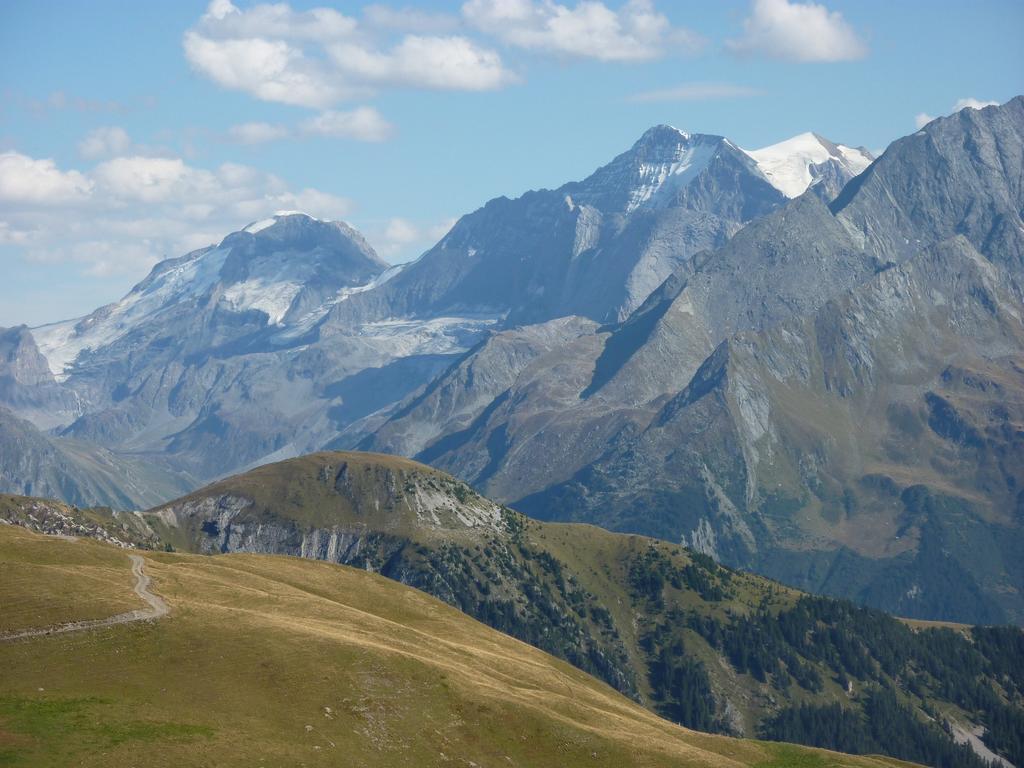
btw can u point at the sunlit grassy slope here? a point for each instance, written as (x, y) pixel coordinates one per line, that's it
(278, 661)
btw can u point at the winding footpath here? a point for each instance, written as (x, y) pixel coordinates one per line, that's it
(158, 608)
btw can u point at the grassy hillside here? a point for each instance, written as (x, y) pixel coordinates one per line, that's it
(706, 646)
(281, 661)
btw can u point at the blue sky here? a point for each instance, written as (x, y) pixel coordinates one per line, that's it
(135, 130)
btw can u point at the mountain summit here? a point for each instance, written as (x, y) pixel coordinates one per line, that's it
(594, 248)
(652, 174)
(281, 273)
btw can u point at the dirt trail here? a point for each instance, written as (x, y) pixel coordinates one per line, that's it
(158, 608)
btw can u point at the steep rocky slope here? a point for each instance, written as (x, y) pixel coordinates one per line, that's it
(55, 518)
(593, 248)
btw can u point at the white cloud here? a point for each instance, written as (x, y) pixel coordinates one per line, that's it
(798, 32)
(59, 101)
(114, 141)
(409, 19)
(453, 63)
(360, 124)
(401, 232)
(697, 92)
(26, 180)
(271, 70)
(103, 142)
(590, 29)
(257, 133)
(146, 179)
(921, 119)
(224, 19)
(399, 239)
(318, 58)
(9, 236)
(126, 212)
(363, 124)
(100, 258)
(972, 103)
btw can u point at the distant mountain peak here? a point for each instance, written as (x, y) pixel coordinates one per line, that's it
(662, 160)
(663, 133)
(291, 268)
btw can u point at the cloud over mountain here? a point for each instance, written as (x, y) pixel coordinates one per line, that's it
(634, 32)
(320, 57)
(126, 212)
(805, 32)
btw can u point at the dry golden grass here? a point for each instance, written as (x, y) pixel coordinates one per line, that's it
(278, 661)
(88, 581)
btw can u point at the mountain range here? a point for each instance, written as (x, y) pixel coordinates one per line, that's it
(798, 360)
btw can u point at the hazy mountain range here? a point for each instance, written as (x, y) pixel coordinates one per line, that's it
(776, 357)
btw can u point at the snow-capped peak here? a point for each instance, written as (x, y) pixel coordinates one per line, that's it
(662, 133)
(171, 282)
(793, 165)
(663, 160)
(655, 180)
(293, 280)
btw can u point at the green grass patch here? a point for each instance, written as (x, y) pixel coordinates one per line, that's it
(41, 726)
(789, 756)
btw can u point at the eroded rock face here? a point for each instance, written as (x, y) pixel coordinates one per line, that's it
(27, 385)
(331, 508)
(594, 248)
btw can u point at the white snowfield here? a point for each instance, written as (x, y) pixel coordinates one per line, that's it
(659, 180)
(62, 343)
(788, 164)
(259, 226)
(791, 166)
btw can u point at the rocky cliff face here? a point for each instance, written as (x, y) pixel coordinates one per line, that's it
(28, 386)
(593, 248)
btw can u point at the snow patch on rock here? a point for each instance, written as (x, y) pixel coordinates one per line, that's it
(789, 165)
